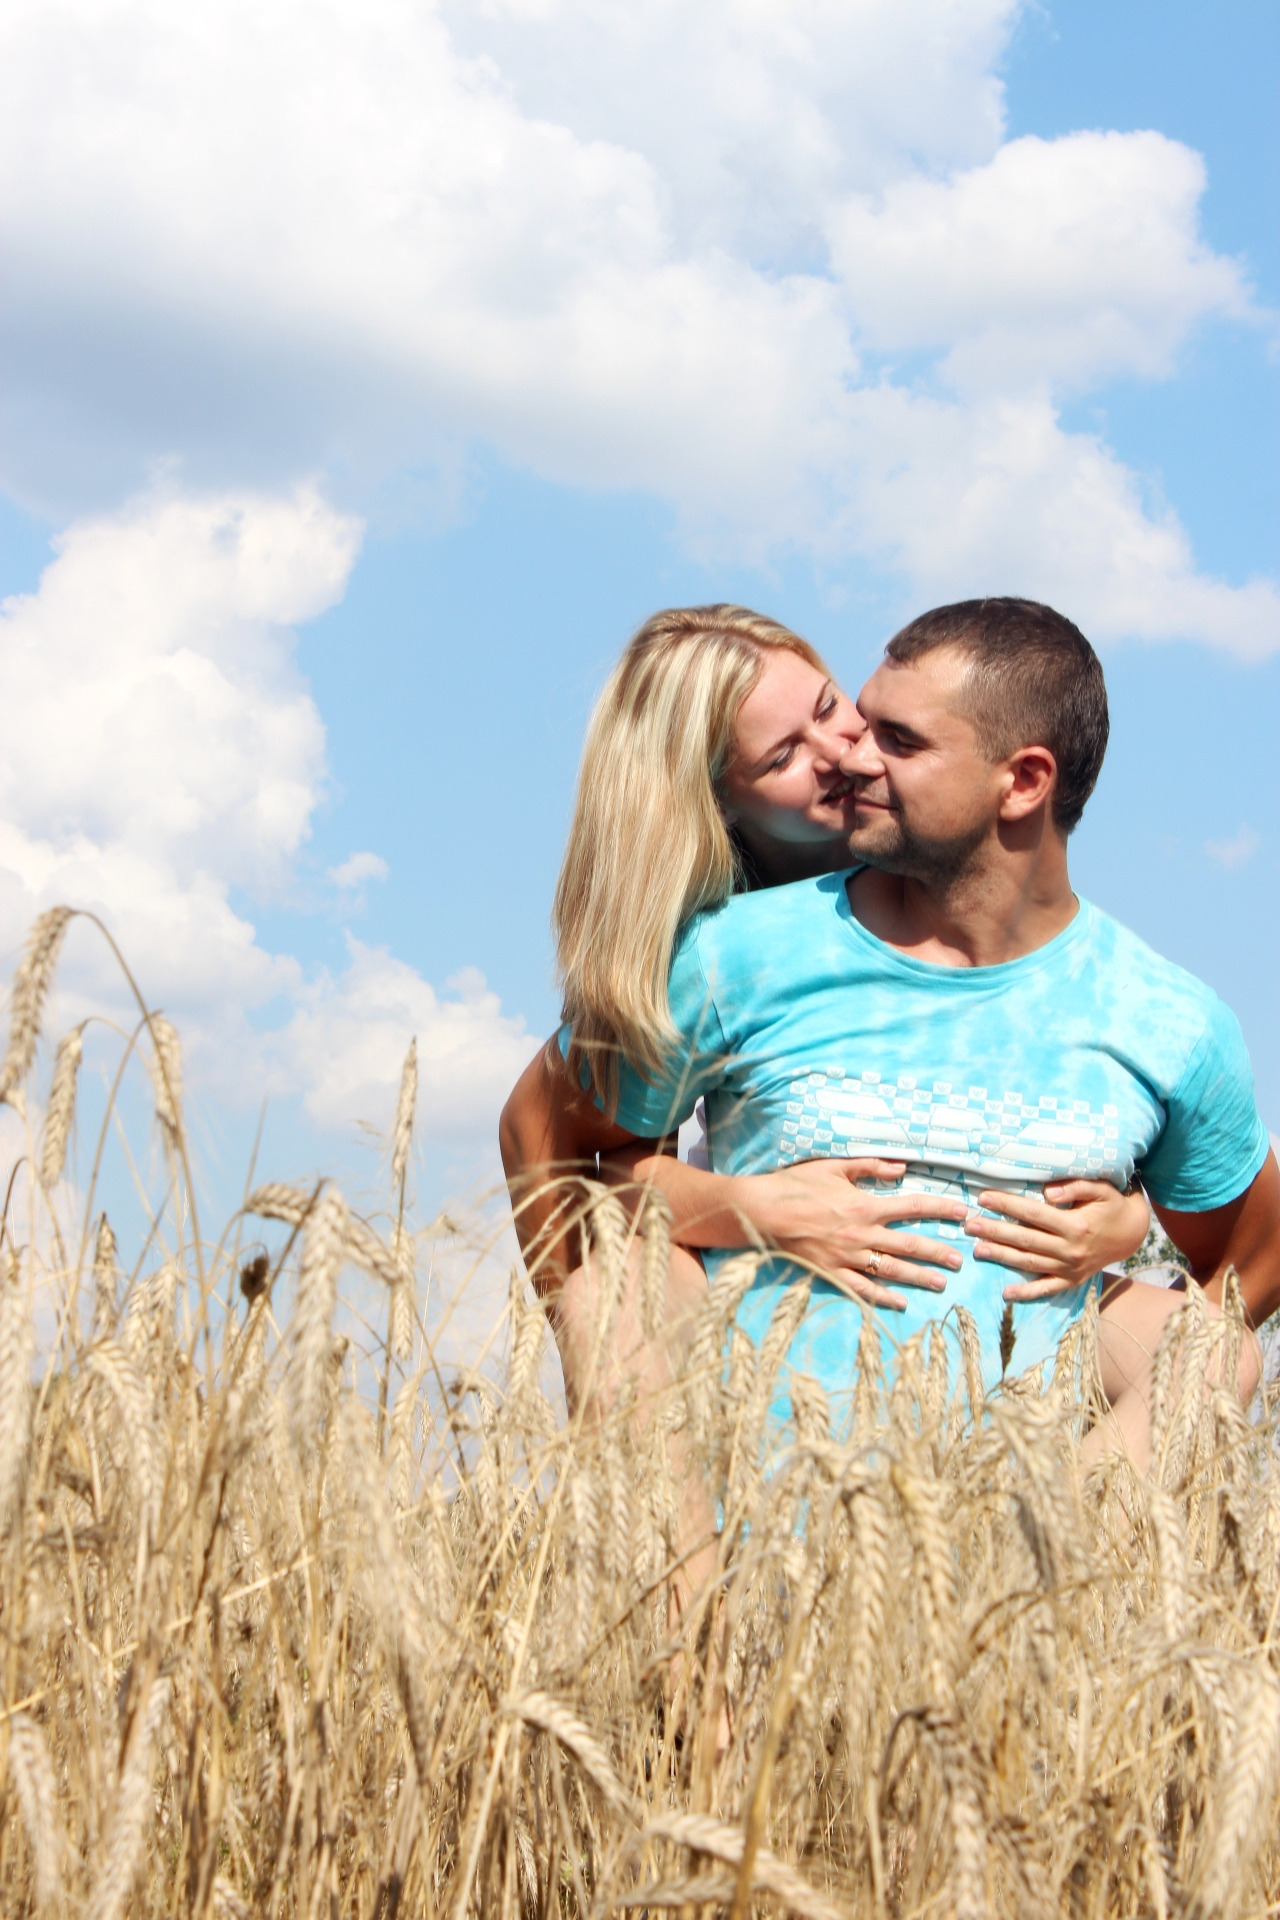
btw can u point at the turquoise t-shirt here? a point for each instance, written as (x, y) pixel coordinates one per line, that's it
(808, 1037)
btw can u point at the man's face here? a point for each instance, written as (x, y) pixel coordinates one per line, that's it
(925, 796)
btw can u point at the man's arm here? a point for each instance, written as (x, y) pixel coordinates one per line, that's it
(1245, 1234)
(550, 1132)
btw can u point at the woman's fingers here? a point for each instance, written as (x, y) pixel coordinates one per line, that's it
(1014, 1247)
(915, 1206)
(904, 1273)
(1023, 1261)
(902, 1247)
(1078, 1193)
(871, 1169)
(857, 1286)
(1021, 1206)
(1040, 1289)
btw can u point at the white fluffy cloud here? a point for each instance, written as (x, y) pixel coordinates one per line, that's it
(632, 247)
(1059, 262)
(347, 1041)
(160, 753)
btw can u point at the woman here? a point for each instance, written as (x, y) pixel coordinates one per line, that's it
(715, 760)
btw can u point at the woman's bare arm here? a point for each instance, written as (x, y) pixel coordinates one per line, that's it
(814, 1212)
(550, 1133)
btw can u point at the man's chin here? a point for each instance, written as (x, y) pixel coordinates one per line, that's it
(874, 847)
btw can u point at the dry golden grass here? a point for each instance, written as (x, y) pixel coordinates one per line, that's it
(273, 1646)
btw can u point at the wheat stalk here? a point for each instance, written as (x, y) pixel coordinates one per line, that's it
(17, 1356)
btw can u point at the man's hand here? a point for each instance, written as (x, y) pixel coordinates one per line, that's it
(1078, 1228)
(1245, 1234)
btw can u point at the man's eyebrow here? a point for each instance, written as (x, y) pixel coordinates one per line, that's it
(901, 728)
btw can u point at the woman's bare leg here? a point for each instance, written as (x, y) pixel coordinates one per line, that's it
(596, 1371)
(1133, 1317)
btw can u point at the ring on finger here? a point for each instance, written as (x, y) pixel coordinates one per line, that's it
(873, 1262)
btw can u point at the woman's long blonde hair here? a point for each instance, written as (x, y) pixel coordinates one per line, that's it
(649, 845)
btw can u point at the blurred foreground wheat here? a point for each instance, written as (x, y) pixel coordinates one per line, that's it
(271, 1645)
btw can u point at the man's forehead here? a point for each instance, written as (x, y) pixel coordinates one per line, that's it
(920, 690)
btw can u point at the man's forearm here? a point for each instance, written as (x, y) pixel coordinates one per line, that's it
(1245, 1235)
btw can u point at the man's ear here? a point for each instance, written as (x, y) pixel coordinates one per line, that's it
(1031, 775)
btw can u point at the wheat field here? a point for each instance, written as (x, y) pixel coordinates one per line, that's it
(287, 1629)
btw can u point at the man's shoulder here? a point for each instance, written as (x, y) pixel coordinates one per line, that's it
(1138, 966)
(747, 918)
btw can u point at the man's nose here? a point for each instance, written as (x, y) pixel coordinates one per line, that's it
(863, 756)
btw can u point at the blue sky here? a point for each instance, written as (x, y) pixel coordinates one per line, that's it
(374, 377)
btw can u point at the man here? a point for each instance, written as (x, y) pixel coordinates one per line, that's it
(952, 1004)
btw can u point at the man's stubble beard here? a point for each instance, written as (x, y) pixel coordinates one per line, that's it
(897, 848)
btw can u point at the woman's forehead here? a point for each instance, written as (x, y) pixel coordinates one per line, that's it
(783, 696)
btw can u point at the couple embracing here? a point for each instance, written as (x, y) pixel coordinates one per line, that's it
(930, 1072)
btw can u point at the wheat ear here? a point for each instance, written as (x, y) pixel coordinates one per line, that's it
(1244, 1808)
(126, 1841)
(166, 1073)
(526, 1350)
(923, 1501)
(115, 1367)
(30, 985)
(402, 1294)
(37, 1793)
(104, 1278)
(62, 1105)
(310, 1330)
(655, 1264)
(405, 1106)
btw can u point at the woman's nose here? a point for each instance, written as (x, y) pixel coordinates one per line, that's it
(837, 735)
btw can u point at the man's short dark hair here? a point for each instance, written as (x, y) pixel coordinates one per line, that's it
(1033, 681)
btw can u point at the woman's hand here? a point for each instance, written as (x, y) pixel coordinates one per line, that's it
(817, 1214)
(1063, 1240)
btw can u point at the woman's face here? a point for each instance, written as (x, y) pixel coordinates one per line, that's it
(787, 789)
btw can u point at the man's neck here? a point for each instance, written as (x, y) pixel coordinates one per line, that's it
(998, 910)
